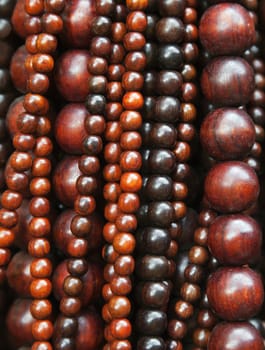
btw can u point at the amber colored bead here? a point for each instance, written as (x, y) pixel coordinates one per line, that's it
(52, 23)
(11, 200)
(36, 104)
(124, 265)
(198, 255)
(40, 288)
(113, 131)
(183, 309)
(206, 319)
(130, 182)
(233, 40)
(176, 329)
(136, 21)
(6, 238)
(41, 309)
(119, 307)
(39, 227)
(124, 243)
(190, 292)
(238, 86)
(228, 289)
(231, 187)
(39, 247)
(135, 61)
(121, 285)
(120, 328)
(41, 167)
(235, 336)
(41, 268)
(42, 330)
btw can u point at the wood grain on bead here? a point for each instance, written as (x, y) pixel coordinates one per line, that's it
(235, 336)
(235, 293)
(226, 29)
(227, 134)
(235, 240)
(235, 89)
(231, 187)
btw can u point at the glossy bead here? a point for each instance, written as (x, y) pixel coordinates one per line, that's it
(69, 128)
(153, 294)
(153, 268)
(169, 57)
(169, 30)
(235, 336)
(238, 35)
(235, 240)
(77, 20)
(150, 322)
(89, 332)
(221, 131)
(238, 86)
(64, 180)
(230, 293)
(71, 75)
(154, 240)
(231, 187)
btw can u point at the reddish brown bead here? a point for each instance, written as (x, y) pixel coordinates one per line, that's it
(235, 293)
(231, 187)
(238, 35)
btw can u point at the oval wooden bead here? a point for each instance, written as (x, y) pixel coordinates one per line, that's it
(227, 133)
(235, 240)
(238, 86)
(71, 75)
(231, 187)
(78, 18)
(226, 29)
(235, 293)
(235, 336)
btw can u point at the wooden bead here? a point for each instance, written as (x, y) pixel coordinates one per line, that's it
(77, 20)
(221, 130)
(236, 89)
(231, 187)
(71, 75)
(235, 336)
(235, 240)
(229, 289)
(238, 35)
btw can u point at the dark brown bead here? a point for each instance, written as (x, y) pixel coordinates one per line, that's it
(230, 292)
(231, 187)
(238, 86)
(229, 41)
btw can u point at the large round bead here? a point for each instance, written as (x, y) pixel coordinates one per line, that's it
(235, 293)
(78, 17)
(71, 75)
(69, 128)
(235, 240)
(235, 336)
(226, 29)
(231, 187)
(64, 180)
(228, 81)
(227, 133)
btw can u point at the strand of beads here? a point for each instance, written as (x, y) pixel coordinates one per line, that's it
(233, 238)
(77, 231)
(116, 303)
(6, 92)
(42, 26)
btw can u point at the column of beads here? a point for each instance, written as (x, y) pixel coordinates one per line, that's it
(6, 93)
(186, 133)
(31, 158)
(128, 161)
(7, 215)
(231, 186)
(117, 276)
(155, 244)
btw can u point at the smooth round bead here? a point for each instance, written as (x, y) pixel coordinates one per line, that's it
(238, 86)
(71, 75)
(235, 293)
(150, 322)
(227, 134)
(235, 336)
(235, 240)
(231, 187)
